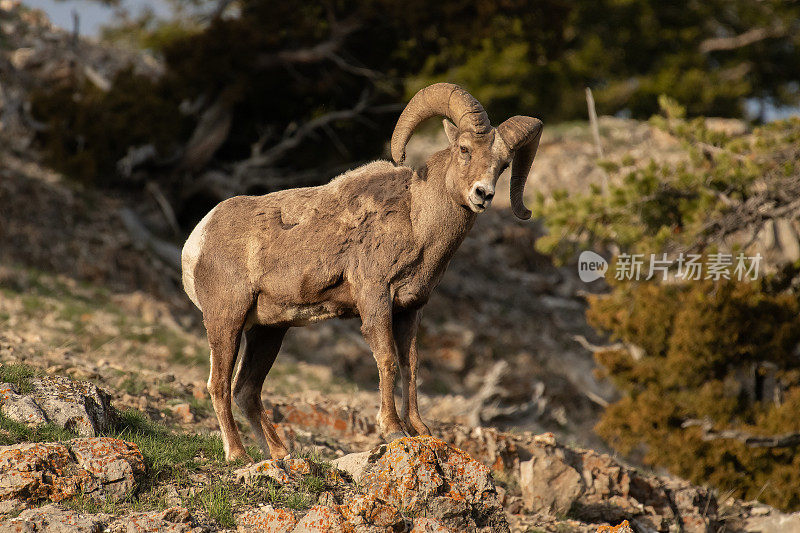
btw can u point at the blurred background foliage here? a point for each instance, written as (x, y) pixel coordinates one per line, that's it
(243, 76)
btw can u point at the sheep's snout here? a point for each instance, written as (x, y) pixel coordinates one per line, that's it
(480, 197)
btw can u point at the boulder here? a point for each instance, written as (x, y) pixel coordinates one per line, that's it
(354, 464)
(425, 476)
(624, 527)
(429, 525)
(78, 406)
(774, 522)
(99, 467)
(113, 463)
(549, 483)
(339, 421)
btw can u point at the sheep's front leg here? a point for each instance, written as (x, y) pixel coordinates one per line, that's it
(405, 325)
(376, 325)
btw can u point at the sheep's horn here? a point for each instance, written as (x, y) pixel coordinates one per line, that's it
(443, 99)
(521, 135)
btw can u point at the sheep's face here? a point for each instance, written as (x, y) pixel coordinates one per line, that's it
(477, 160)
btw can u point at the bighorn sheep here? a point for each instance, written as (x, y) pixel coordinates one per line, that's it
(372, 243)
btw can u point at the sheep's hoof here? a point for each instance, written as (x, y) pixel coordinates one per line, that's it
(240, 456)
(408, 428)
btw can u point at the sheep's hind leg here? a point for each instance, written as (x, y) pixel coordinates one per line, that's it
(376, 326)
(261, 349)
(224, 340)
(405, 335)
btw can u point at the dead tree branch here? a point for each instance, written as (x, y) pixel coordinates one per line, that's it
(319, 52)
(165, 206)
(787, 440)
(740, 41)
(293, 139)
(142, 238)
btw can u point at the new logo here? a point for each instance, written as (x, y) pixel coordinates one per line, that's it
(591, 266)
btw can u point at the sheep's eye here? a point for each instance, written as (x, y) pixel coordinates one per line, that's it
(464, 150)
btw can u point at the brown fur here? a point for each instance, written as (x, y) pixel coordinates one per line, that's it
(372, 243)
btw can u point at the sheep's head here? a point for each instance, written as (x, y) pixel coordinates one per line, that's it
(479, 152)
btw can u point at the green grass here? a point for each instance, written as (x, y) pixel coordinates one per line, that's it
(165, 451)
(290, 497)
(217, 500)
(220, 498)
(12, 432)
(19, 375)
(177, 459)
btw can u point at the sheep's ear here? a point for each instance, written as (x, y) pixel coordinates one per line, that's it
(451, 130)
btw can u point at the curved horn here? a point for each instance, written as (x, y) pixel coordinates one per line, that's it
(444, 99)
(521, 134)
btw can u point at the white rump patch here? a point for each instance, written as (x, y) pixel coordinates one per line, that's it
(190, 255)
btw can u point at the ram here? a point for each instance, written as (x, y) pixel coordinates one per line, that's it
(373, 243)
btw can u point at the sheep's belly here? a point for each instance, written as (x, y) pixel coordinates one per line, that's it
(293, 315)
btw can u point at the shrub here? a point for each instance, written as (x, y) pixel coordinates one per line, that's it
(705, 367)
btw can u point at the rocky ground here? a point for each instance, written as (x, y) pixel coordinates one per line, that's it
(105, 423)
(73, 462)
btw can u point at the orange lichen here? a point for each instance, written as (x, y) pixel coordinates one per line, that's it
(624, 527)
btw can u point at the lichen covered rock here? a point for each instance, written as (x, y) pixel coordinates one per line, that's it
(369, 511)
(426, 476)
(54, 518)
(321, 519)
(99, 467)
(78, 406)
(267, 519)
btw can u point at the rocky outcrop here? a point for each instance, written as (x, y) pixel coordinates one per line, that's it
(99, 467)
(424, 476)
(595, 488)
(440, 486)
(54, 518)
(78, 406)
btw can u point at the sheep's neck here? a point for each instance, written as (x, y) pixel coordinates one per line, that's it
(440, 223)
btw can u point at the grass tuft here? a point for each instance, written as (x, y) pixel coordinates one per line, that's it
(217, 500)
(19, 375)
(13, 432)
(164, 450)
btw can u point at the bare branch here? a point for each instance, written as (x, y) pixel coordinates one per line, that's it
(319, 52)
(166, 207)
(740, 41)
(291, 141)
(141, 236)
(594, 348)
(353, 69)
(636, 352)
(210, 133)
(787, 440)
